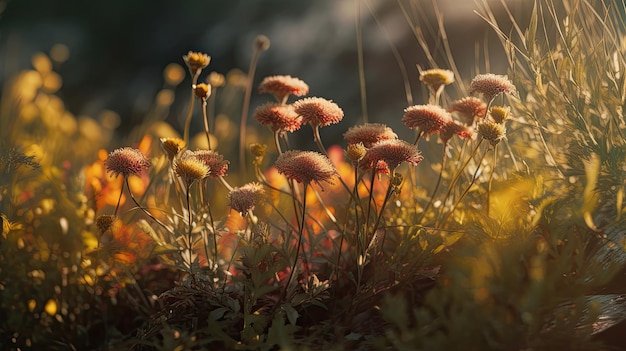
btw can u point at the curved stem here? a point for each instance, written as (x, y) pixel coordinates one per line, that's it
(301, 229)
(119, 199)
(194, 80)
(146, 211)
(206, 122)
(244, 111)
(432, 197)
(277, 142)
(493, 169)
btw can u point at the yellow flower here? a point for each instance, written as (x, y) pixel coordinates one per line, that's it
(491, 131)
(190, 168)
(435, 78)
(196, 61)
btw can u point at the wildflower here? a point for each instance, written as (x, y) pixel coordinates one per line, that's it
(216, 79)
(104, 222)
(190, 168)
(318, 112)
(393, 153)
(381, 168)
(469, 108)
(454, 128)
(202, 91)
(126, 161)
(356, 151)
(491, 131)
(278, 117)
(262, 43)
(491, 85)
(305, 166)
(428, 118)
(258, 150)
(215, 162)
(283, 86)
(172, 146)
(243, 199)
(499, 113)
(369, 134)
(436, 78)
(196, 61)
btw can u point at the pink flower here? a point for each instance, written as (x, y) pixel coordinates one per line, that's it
(244, 199)
(283, 86)
(469, 108)
(318, 112)
(127, 161)
(491, 85)
(369, 134)
(278, 117)
(393, 153)
(305, 166)
(214, 161)
(428, 118)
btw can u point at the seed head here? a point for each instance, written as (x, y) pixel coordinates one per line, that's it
(469, 108)
(283, 86)
(104, 222)
(278, 117)
(190, 168)
(393, 153)
(369, 134)
(258, 150)
(428, 118)
(202, 91)
(318, 112)
(215, 162)
(491, 131)
(305, 166)
(499, 114)
(196, 61)
(262, 42)
(245, 198)
(491, 85)
(435, 78)
(126, 161)
(356, 152)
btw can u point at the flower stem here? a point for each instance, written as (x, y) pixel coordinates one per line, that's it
(206, 122)
(301, 230)
(244, 110)
(194, 80)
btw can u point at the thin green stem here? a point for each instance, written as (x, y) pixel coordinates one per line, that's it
(300, 229)
(146, 211)
(432, 197)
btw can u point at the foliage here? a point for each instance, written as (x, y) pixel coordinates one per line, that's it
(507, 240)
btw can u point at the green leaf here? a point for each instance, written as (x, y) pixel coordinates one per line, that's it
(292, 314)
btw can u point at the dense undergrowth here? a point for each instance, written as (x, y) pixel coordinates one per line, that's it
(508, 234)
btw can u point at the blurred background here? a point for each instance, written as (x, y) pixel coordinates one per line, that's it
(116, 51)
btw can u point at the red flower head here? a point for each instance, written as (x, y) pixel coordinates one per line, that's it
(428, 118)
(318, 112)
(369, 134)
(454, 128)
(469, 109)
(283, 86)
(126, 161)
(393, 153)
(305, 166)
(278, 117)
(491, 85)
(244, 199)
(214, 161)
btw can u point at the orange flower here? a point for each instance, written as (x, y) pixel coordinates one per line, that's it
(283, 86)
(305, 166)
(127, 161)
(491, 85)
(196, 61)
(428, 118)
(469, 108)
(278, 117)
(369, 134)
(318, 112)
